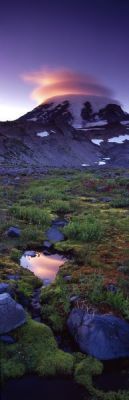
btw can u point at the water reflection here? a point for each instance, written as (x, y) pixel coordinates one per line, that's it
(45, 267)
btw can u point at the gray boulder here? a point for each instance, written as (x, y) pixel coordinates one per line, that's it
(14, 231)
(12, 314)
(105, 337)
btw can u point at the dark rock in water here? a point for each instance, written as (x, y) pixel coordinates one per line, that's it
(54, 235)
(12, 314)
(4, 287)
(30, 253)
(14, 231)
(47, 244)
(59, 222)
(105, 337)
(46, 253)
(7, 339)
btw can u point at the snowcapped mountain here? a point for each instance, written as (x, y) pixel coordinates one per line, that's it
(79, 111)
(72, 132)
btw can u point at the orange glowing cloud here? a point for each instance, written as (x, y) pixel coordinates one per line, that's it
(63, 82)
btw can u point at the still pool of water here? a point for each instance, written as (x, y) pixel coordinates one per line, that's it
(45, 267)
(34, 387)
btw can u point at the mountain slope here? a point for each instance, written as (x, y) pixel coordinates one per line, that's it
(75, 132)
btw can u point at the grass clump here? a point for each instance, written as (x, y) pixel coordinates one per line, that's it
(88, 230)
(32, 214)
(120, 202)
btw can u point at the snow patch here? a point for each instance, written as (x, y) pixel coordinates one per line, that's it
(118, 139)
(102, 162)
(96, 123)
(97, 141)
(32, 119)
(43, 134)
(124, 122)
(85, 165)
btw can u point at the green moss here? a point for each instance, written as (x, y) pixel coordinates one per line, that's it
(15, 254)
(55, 304)
(35, 351)
(84, 372)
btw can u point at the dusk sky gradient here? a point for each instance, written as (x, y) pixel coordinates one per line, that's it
(58, 38)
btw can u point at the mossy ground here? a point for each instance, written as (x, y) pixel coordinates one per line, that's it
(95, 204)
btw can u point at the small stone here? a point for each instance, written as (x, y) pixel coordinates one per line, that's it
(13, 231)
(105, 199)
(74, 298)
(111, 288)
(68, 278)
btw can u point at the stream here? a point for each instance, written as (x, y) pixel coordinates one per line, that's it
(115, 377)
(34, 387)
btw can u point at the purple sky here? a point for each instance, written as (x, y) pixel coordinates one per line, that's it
(83, 36)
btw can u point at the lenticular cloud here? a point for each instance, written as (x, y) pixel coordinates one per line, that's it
(63, 82)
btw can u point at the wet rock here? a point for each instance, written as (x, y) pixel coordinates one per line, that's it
(54, 235)
(12, 314)
(4, 287)
(7, 339)
(47, 244)
(46, 253)
(105, 337)
(14, 231)
(30, 253)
